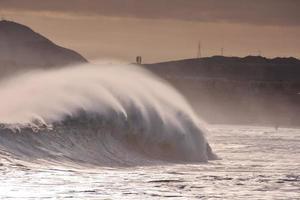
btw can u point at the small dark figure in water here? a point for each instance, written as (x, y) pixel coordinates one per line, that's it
(276, 127)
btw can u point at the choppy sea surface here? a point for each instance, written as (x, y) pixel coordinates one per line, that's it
(257, 163)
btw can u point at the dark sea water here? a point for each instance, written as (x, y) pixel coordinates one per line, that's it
(257, 163)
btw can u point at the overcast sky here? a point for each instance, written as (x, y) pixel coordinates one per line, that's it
(163, 29)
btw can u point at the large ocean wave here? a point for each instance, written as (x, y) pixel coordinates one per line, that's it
(97, 114)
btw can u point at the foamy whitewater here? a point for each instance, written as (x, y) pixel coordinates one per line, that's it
(97, 114)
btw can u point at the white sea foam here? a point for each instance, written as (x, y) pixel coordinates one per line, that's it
(142, 110)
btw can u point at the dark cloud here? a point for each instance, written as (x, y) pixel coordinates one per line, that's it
(261, 12)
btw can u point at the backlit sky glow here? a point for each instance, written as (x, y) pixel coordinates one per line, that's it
(163, 29)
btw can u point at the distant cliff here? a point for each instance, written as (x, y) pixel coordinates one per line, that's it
(249, 90)
(22, 49)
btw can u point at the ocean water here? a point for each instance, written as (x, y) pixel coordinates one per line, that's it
(257, 163)
(119, 132)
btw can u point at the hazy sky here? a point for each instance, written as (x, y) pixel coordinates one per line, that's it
(163, 29)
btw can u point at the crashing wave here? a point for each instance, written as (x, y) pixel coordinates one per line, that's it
(103, 115)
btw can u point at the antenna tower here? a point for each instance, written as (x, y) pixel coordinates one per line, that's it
(199, 53)
(2, 17)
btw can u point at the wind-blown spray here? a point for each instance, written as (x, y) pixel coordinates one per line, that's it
(96, 114)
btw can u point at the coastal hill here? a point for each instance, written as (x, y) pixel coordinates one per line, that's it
(22, 49)
(232, 68)
(250, 90)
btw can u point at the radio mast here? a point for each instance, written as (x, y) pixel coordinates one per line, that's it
(2, 16)
(199, 53)
(259, 52)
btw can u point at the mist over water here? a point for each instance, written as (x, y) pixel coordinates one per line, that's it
(50, 95)
(99, 114)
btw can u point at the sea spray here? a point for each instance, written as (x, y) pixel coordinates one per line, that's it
(99, 114)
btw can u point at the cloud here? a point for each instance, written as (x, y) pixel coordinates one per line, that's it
(258, 12)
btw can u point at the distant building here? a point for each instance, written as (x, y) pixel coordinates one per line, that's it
(139, 60)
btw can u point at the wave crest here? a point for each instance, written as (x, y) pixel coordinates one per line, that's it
(99, 115)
